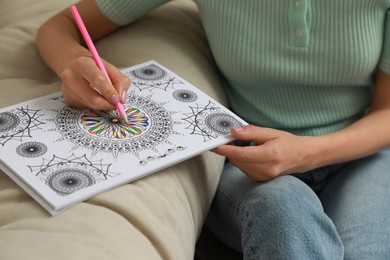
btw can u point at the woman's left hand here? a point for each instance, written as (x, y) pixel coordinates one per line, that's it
(275, 153)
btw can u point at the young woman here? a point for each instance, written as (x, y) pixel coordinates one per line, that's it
(312, 79)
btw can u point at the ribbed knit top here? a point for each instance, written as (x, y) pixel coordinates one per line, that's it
(304, 66)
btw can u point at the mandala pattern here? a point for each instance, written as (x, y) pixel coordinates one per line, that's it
(8, 121)
(108, 124)
(221, 123)
(149, 73)
(105, 132)
(17, 124)
(170, 151)
(58, 98)
(65, 182)
(68, 175)
(184, 95)
(152, 77)
(209, 121)
(31, 149)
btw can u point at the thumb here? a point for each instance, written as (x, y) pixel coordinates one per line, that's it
(254, 133)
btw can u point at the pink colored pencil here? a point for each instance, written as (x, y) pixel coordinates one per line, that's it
(95, 54)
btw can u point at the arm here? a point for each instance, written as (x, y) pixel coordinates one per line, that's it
(366, 136)
(283, 153)
(62, 48)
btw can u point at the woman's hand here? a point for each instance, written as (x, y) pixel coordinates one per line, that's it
(61, 46)
(84, 85)
(276, 153)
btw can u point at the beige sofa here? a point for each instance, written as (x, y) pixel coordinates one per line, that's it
(157, 217)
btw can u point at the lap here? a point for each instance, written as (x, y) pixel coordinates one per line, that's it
(353, 196)
(245, 212)
(357, 200)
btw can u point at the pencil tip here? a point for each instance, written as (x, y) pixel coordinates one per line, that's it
(124, 117)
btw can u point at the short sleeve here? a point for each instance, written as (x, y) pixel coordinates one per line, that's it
(122, 12)
(384, 64)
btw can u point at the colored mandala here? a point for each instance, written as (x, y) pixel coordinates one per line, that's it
(108, 124)
(150, 124)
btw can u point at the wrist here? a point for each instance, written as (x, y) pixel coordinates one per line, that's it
(329, 149)
(74, 52)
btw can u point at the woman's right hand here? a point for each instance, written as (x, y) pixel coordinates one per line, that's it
(62, 48)
(85, 85)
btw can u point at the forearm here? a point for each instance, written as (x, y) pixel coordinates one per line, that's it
(366, 136)
(58, 42)
(62, 48)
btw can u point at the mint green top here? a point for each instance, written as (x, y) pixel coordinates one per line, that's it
(304, 66)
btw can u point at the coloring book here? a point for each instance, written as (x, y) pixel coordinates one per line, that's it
(62, 155)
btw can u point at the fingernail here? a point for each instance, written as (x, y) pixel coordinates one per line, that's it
(238, 129)
(124, 96)
(114, 99)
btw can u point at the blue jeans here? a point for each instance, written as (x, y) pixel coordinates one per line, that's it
(336, 212)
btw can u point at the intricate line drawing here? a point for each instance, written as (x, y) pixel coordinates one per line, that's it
(150, 124)
(17, 124)
(149, 73)
(221, 123)
(68, 175)
(58, 98)
(152, 77)
(31, 149)
(108, 124)
(184, 95)
(8, 121)
(209, 121)
(168, 152)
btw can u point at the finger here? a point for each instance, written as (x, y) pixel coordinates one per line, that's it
(79, 93)
(120, 82)
(221, 150)
(254, 133)
(254, 171)
(216, 148)
(72, 99)
(91, 99)
(96, 78)
(247, 154)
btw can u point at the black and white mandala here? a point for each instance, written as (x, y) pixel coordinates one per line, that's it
(209, 121)
(18, 124)
(184, 95)
(152, 77)
(68, 175)
(31, 149)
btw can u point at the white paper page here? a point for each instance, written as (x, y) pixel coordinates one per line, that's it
(66, 155)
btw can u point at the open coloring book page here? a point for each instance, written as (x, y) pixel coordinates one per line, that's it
(62, 155)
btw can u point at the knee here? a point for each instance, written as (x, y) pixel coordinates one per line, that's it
(286, 213)
(285, 197)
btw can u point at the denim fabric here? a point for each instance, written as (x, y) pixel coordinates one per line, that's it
(335, 212)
